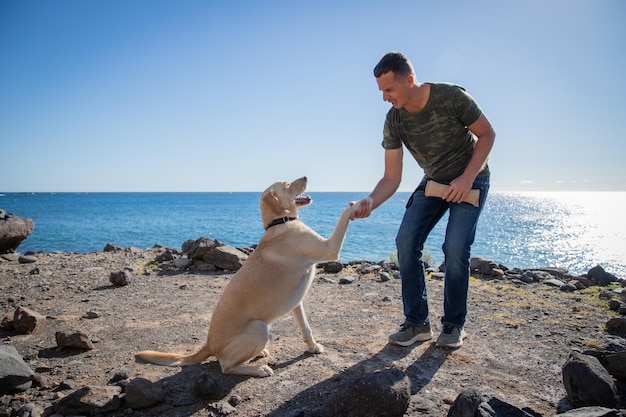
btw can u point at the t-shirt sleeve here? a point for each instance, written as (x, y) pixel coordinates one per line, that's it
(466, 107)
(390, 139)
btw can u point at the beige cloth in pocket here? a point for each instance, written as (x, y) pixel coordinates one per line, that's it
(436, 189)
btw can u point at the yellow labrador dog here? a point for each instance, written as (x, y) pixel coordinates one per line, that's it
(271, 283)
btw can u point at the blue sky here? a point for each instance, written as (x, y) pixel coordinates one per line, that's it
(191, 95)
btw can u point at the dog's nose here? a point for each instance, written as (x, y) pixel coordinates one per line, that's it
(305, 178)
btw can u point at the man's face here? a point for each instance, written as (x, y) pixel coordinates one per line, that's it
(395, 89)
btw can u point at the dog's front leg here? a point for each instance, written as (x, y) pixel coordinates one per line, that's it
(335, 240)
(305, 329)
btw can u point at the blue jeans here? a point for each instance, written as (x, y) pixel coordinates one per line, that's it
(421, 215)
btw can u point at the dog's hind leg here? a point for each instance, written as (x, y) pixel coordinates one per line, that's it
(305, 329)
(251, 343)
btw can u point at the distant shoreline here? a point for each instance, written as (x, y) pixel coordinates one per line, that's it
(491, 191)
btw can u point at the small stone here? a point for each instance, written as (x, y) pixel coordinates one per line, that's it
(91, 315)
(26, 320)
(121, 278)
(77, 340)
(28, 259)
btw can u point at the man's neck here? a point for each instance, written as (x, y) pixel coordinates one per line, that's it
(419, 97)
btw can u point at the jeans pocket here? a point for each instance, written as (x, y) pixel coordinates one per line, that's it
(421, 187)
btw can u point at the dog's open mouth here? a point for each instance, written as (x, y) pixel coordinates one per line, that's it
(303, 200)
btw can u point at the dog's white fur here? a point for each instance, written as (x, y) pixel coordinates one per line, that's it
(271, 283)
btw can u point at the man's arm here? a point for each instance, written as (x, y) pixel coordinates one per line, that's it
(461, 186)
(385, 188)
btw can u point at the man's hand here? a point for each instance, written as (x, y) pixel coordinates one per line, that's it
(362, 208)
(458, 190)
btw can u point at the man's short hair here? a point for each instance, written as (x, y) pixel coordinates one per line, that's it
(395, 62)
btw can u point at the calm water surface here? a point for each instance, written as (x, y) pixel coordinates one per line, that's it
(575, 230)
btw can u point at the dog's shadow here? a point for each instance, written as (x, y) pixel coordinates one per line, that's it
(194, 388)
(197, 386)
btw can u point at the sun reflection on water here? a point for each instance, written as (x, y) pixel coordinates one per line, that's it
(576, 229)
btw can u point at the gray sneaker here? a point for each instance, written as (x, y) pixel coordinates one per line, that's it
(451, 337)
(411, 334)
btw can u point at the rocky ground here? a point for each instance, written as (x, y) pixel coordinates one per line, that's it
(519, 338)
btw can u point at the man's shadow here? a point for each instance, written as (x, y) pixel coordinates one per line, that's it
(420, 373)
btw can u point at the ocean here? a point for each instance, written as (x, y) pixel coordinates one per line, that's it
(571, 230)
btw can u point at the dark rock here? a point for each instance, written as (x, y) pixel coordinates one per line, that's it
(13, 230)
(332, 267)
(27, 259)
(587, 383)
(76, 340)
(15, 375)
(7, 324)
(616, 326)
(346, 280)
(67, 384)
(120, 375)
(614, 363)
(553, 282)
(141, 393)
(110, 247)
(591, 412)
(198, 248)
(165, 256)
(538, 275)
(207, 387)
(598, 275)
(121, 278)
(226, 257)
(26, 320)
(478, 262)
(557, 272)
(90, 315)
(579, 284)
(583, 279)
(466, 404)
(41, 381)
(614, 305)
(383, 393)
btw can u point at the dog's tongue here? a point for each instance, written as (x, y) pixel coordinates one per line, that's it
(303, 199)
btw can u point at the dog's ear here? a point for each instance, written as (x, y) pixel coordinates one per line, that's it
(271, 201)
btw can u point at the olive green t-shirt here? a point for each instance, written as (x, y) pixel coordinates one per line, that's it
(437, 136)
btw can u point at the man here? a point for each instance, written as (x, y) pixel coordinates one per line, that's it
(444, 129)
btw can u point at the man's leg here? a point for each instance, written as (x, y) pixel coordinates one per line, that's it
(421, 215)
(460, 234)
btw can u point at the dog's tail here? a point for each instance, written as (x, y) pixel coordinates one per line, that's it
(174, 359)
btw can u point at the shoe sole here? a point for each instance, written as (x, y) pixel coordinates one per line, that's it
(422, 337)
